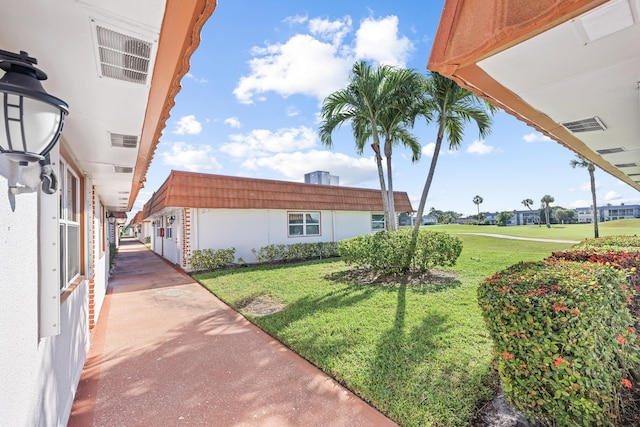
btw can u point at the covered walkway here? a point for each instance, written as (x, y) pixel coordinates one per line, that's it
(165, 351)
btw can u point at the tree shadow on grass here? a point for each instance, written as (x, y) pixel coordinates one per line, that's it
(423, 283)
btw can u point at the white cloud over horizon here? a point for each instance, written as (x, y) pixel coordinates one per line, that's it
(263, 142)
(536, 137)
(191, 158)
(480, 148)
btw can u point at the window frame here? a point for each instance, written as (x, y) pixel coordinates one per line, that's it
(66, 172)
(377, 221)
(304, 224)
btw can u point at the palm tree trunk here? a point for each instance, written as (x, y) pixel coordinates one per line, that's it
(392, 205)
(383, 187)
(423, 199)
(592, 169)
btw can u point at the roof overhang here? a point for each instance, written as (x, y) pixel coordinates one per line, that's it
(116, 112)
(551, 63)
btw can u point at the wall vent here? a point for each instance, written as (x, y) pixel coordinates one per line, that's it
(123, 169)
(585, 125)
(633, 174)
(120, 140)
(123, 57)
(626, 165)
(610, 151)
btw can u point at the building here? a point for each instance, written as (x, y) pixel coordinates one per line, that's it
(609, 213)
(569, 69)
(203, 211)
(118, 66)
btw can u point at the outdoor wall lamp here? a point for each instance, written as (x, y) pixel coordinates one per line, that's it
(31, 120)
(153, 224)
(112, 218)
(171, 219)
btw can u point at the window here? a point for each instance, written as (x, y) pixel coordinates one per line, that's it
(169, 232)
(304, 223)
(377, 222)
(69, 225)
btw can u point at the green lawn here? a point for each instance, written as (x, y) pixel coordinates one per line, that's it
(419, 353)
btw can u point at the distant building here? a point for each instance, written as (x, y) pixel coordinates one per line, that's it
(609, 213)
(321, 177)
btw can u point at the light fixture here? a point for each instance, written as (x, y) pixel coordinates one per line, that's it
(111, 217)
(31, 120)
(171, 219)
(153, 224)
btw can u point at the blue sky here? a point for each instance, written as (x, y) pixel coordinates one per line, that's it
(250, 107)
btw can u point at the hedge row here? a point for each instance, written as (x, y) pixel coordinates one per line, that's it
(296, 252)
(566, 343)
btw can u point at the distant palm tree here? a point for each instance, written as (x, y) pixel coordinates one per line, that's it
(583, 163)
(528, 203)
(477, 200)
(546, 204)
(377, 103)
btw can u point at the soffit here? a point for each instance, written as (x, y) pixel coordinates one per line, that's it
(558, 70)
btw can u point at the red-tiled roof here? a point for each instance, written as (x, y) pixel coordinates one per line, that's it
(198, 190)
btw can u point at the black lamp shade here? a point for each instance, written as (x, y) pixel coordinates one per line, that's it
(31, 120)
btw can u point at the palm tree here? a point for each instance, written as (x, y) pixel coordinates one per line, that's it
(395, 121)
(376, 102)
(452, 107)
(546, 204)
(584, 163)
(477, 200)
(528, 203)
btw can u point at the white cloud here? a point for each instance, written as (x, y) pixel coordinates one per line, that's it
(536, 137)
(196, 79)
(580, 204)
(350, 170)
(233, 122)
(480, 148)
(263, 142)
(302, 65)
(331, 30)
(188, 125)
(188, 157)
(379, 41)
(292, 111)
(297, 19)
(428, 149)
(612, 196)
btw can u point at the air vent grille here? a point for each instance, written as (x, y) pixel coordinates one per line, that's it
(585, 125)
(633, 174)
(626, 165)
(610, 151)
(123, 57)
(123, 169)
(126, 141)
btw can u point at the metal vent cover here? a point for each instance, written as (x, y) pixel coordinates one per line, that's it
(585, 125)
(123, 169)
(121, 140)
(610, 151)
(626, 165)
(121, 56)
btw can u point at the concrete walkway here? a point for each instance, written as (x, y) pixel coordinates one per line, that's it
(166, 352)
(533, 239)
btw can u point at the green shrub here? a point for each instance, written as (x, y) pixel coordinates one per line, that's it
(296, 252)
(113, 254)
(209, 259)
(632, 242)
(386, 252)
(147, 240)
(564, 340)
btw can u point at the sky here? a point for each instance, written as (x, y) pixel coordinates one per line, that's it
(250, 106)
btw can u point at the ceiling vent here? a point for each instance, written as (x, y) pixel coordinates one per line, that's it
(626, 165)
(123, 57)
(123, 169)
(633, 174)
(585, 125)
(610, 151)
(120, 140)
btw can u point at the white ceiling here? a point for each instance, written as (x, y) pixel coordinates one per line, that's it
(586, 67)
(61, 35)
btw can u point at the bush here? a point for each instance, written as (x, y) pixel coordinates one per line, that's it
(296, 252)
(387, 252)
(612, 256)
(147, 240)
(209, 259)
(113, 254)
(564, 340)
(632, 242)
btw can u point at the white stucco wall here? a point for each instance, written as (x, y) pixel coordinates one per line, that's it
(38, 373)
(247, 229)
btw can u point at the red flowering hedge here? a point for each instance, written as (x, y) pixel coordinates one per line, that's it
(619, 258)
(564, 340)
